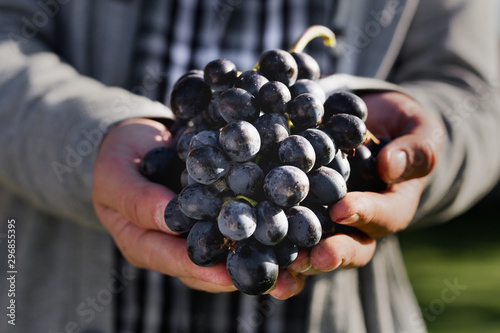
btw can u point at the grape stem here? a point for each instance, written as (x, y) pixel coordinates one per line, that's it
(311, 33)
(371, 137)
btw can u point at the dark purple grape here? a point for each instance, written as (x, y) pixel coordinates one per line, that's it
(347, 131)
(341, 164)
(251, 81)
(190, 97)
(175, 219)
(184, 178)
(272, 224)
(286, 252)
(297, 151)
(205, 244)
(304, 227)
(345, 102)
(252, 267)
(308, 67)
(273, 97)
(200, 202)
(304, 86)
(220, 74)
(237, 220)
(327, 225)
(191, 72)
(323, 145)
(205, 138)
(161, 165)
(185, 140)
(213, 117)
(305, 111)
(240, 140)
(207, 164)
(246, 179)
(326, 186)
(238, 104)
(364, 175)
(278, 65)
(286, 185)
(273, 129)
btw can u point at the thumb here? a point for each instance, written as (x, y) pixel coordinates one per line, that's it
(407, 157)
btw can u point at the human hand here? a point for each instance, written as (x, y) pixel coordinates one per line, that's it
(416, 139)
(131, 209)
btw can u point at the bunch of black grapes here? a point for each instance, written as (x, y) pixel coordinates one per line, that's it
(265, 154)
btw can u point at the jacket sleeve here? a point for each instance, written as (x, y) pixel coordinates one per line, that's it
(449, 63)
(52, 119)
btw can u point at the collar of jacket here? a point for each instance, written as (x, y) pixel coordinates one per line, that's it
(374, 33)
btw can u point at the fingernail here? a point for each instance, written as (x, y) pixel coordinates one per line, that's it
(160, 218)
(397, 166)
(350, 220)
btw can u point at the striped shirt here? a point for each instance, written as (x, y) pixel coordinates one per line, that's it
(176, 36)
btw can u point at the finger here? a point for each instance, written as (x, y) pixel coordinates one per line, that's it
(288, 285)
(158, 251)
(407, 157)
(379, 214)
(119, 185)
(301, 264)
(210, 287)
(342, 251)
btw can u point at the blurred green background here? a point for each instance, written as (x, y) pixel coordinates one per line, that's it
(464, 252)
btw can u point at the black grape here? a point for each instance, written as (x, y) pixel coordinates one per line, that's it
(286, 252)
(240, 140)
(278, 65)
(190, 97)
(220, 74)
(286, 185)
(273, 97)
(345, 102)
(175, 219)
(327, 225)
(161, 165)
(308, 67)
(323, 145)
(326, 186)
(272, 224)
(238, 104)
(246, 179)
(185, 140)
(251, 81)
(207, 164)
(205, 138)
(348, 131)
(308, 86)
(200, 202)
(364, 176)
(237, 220)
(206, 245)
(297, 151)
(341, 164)
(273, 129)
(252, 267)
(305, 111)
(304, 227)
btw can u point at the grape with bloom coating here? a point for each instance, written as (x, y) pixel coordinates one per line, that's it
(240, 140)
(286, 185)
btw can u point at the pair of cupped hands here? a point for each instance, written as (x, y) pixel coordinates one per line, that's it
(131, 208)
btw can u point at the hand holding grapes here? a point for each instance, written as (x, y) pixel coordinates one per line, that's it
(132, 209)
(416, 140)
